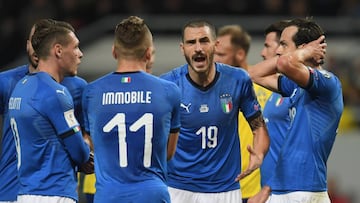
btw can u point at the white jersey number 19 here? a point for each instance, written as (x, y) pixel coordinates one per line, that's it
(208, 136)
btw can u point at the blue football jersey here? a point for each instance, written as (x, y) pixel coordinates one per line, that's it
(47, 135)
(207, 158)
(129, 117)
(9, 185)
(76, 85)
(276, 116)
(314, 113)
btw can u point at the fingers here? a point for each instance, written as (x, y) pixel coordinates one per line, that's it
(251, 168)
(243, 175)
(318, 50)
(321, 39)
(250, 149)
(253, 164)
(322, 42)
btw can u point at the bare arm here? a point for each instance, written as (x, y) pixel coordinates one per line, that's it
(172, 142)
(294, 64)
(260, 145)
(265, 74)
(261, 137)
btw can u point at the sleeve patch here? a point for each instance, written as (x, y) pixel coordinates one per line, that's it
(325, 73)
(70, 118)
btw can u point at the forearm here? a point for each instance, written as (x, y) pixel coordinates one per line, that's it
(259, 148)
(293, 66)
(261, 138)
(261, 141)
(265, 73)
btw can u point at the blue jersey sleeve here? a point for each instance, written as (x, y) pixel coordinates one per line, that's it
(68, 127)
(249, 104)
(286, 86)
(76, 86)
(323, 84)
(76, 147)
(175, 99)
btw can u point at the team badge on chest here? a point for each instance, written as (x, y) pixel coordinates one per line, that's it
(226, 103)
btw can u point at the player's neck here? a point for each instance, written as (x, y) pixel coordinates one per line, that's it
(51, 70)
(203, 79)
(244, 65)
(32, 69)
(130, 66)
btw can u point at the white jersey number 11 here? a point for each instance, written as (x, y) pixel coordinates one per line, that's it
(119, 121)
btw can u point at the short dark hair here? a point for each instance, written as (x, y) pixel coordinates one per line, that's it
(132, 37)
(199, 23)
(44, 38)
(277, 27)
(48, 22)
(308, 30)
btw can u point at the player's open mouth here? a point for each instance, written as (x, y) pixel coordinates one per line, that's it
(199, 58)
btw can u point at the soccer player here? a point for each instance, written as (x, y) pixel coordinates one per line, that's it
(276, 110)
(316, 105)
(233, 48)
(207, 160)
(47, 135)
(9, 184)
(134, 121)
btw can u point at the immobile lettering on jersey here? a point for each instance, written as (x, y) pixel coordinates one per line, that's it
(14, 103)
(132, 97)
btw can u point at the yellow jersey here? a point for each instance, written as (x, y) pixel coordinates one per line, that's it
(89, 184)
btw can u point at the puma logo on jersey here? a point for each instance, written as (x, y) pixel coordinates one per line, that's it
(186, 107)
(61, 91)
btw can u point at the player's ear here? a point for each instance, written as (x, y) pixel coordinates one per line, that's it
(148, 54)
(28, 45)
(182, 48)
(58, 50)
(240, 55)
(113, 52)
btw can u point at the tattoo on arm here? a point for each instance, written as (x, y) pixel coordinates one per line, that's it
(257, 122)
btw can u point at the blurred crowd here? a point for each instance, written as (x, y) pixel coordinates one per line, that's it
(16, 20)
(348, 70)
